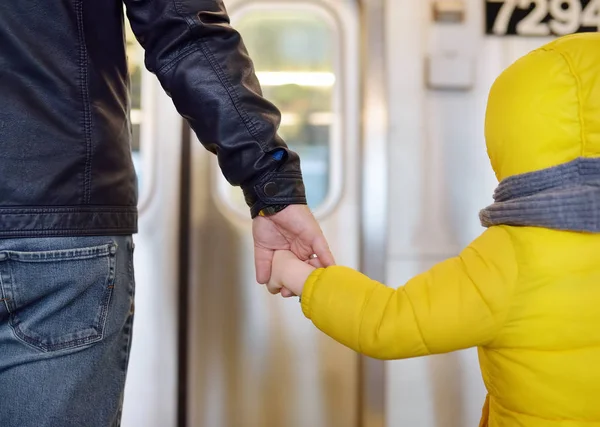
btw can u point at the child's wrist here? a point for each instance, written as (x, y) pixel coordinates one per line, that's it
(296, 277)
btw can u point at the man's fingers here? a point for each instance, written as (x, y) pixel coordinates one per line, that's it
(321, 248)
(263, 260)
(314, 262)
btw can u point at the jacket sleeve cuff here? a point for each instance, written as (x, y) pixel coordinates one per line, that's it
(278, 188)
(307, 292)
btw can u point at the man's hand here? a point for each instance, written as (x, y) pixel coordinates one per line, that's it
(294, 229)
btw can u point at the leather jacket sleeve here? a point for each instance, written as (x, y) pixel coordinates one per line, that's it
(203, 66)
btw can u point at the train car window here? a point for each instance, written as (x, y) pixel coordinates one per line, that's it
(294, 50)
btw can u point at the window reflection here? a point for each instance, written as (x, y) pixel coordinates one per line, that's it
(293, 52)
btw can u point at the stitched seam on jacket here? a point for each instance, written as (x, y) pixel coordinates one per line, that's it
(387, 303)
(87, 115)
(579, 97)
(46, 211)
(499, 350)
(307, 301)
(185, 52)
(362, 313)
(280, 200)
(515, 281)
(88, 231)
(280, 177)
(416, 321)
(246, 119)
(474, 284)
(67, 209)
(222, 76)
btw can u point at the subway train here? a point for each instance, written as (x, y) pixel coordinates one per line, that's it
(384, 100)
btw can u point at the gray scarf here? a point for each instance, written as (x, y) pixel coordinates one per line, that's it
(564, 197)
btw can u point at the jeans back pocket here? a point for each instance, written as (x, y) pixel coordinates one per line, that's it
(58, 299)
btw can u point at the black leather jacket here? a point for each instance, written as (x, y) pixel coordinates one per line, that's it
(65, 161)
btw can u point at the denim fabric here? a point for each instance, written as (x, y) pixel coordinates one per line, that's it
(66, 317)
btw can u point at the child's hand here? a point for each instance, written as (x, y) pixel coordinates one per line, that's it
(289, 273)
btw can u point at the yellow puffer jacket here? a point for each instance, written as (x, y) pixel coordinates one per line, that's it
(528, 298)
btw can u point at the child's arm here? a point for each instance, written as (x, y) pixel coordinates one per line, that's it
(459, 303)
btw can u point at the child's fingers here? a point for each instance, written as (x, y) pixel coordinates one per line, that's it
(273, 289)
(286, 293)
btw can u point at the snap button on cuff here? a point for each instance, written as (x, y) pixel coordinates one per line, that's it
(271, 189)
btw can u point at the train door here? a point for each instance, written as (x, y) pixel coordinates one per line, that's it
(441, 67)
(255, 361)
(211, 347)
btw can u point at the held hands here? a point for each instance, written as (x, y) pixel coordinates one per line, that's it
(293, 229)
(288, 274)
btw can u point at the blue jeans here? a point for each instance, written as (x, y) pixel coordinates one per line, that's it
(66, 316)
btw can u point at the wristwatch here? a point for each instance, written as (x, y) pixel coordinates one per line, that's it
(272, 210)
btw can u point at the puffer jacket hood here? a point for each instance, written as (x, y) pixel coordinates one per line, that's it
(544, 110)
(543, 138)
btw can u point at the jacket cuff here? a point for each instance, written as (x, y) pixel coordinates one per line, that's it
(307, 291)
(278, 188)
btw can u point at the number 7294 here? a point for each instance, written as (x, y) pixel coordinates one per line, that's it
(559, 17)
